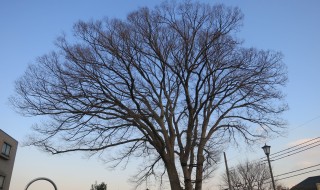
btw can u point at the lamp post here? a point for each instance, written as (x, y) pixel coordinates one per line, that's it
(266, 150)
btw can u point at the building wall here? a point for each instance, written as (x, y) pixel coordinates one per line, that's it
(7, 162)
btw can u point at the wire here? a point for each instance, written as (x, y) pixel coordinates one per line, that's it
(294, 172)
(295, 149)
(301, 147)
(295, 146)
(292, 176)
(295, 153)
(308, 147)
(297, 170)
(303, 124)
(272, 156)
(298, 174)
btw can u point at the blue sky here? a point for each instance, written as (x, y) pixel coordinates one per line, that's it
(29, 28)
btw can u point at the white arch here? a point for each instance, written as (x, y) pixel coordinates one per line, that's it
(42, 178)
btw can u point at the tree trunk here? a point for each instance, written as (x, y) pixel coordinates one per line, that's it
(173, 176)
(199, 171)
(188, 184)
(186, 173)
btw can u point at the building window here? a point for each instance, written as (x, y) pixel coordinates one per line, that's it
(1, 181)
(6, 149)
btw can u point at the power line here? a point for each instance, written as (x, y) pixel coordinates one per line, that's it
(298, 174)
(294, 172)
(297, 170)
(296, 152)
(294, 146)
(306, 147)
(274, 154)
(303, 124)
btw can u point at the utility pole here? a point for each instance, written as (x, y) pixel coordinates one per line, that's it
(227, 169)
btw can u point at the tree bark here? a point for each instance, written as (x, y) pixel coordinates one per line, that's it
(173, 176)
(199, 171)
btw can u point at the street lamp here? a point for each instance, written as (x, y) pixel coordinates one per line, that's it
(266, 150)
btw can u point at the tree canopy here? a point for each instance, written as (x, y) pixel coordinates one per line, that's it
(101, 186)
(165, 84)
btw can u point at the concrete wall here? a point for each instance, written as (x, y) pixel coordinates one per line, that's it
(7, 162)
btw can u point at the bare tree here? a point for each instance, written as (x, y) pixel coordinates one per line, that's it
(166, 83)
(249, 176)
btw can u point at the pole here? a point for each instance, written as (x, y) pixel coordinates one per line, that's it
(273, 184)
(225, 160)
